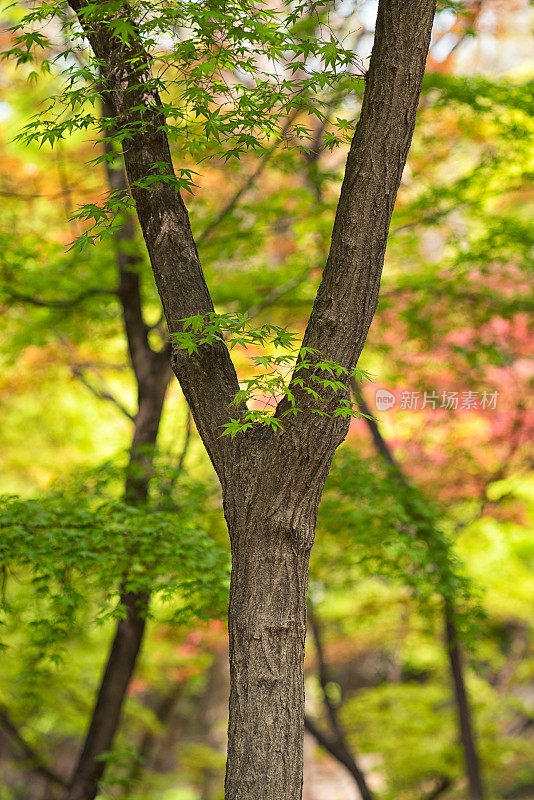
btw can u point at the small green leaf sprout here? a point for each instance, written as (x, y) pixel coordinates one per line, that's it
(298, 380)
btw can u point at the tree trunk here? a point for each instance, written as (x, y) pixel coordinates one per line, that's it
(107, 710)
(467, 735)
(152, 372)
(267, 628)
(271, 482)
(472, 767)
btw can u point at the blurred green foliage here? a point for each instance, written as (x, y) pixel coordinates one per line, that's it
(452, 315)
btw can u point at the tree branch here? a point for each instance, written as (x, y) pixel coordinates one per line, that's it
(442, 785)
(323, 672)
(467, 734)
(152, 372)
(35, 760)
(277, 292)
(341, 754)
(208, 378)
(247, 184)
(141, 354)
(102, 393)
(348, 293)
(476, 791)
(108, 706)
(337, 744)
(63, 303)
(380, 443)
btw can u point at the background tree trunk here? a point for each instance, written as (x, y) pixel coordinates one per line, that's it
(152, 372)
(334, 743)
(465, 724)
(108, 706)
(467, 737)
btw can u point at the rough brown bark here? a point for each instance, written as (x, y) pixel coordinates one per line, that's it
(272, 482)
(267, 627)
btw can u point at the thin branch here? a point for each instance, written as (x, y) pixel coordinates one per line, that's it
(379, 441)
(102, 393)
(36, 762)
(168, 486)
(323, 672)
(337, 748)
(30, 197)
(467, 734)
(102, 365)
(434, 216)
(341, 754)
(442, 785)
(64, 303)
(248, 183)
(514, 441)
(66, 193)
(472, 765)
(277, 292)
(336, 745)
(517, 652)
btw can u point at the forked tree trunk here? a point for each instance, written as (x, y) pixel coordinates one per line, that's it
(271, 482)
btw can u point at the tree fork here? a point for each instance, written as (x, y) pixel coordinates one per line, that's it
(271, 483)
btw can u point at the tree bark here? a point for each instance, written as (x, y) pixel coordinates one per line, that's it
(271, 482)
(267, 628)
